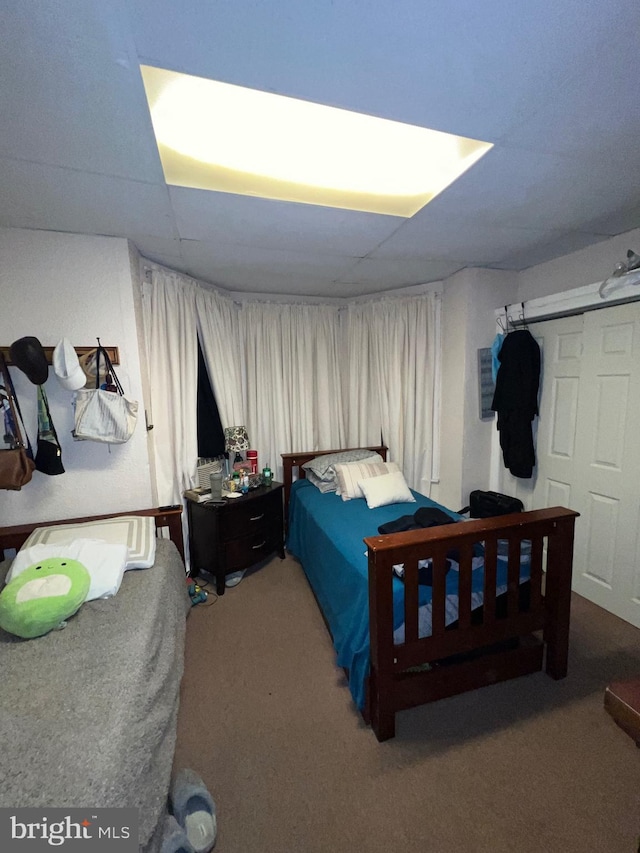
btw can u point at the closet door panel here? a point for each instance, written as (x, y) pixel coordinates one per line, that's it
(608, 454)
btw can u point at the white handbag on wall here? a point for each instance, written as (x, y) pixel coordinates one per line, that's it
(105, 415)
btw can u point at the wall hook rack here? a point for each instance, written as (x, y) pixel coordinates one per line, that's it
(48, 351)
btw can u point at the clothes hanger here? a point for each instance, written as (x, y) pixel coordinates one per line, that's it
(522, 318)
(509, 324)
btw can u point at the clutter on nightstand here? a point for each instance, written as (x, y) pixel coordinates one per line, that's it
(198, 494)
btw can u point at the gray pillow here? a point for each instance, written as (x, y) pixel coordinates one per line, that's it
(322, 466)
(324, 485)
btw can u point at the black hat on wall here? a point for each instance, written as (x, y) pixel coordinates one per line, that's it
(28, 355)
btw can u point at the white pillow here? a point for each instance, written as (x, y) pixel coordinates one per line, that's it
(386, 489)
(137, 532)
(322, 466)
(349, 476)
(105, 563)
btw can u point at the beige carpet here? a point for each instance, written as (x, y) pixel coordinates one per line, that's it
(527, 766)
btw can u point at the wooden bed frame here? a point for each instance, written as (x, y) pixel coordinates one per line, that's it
(509, 636)
(168, 517)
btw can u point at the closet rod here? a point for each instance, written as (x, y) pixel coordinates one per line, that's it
(567, 303)
(48, 351)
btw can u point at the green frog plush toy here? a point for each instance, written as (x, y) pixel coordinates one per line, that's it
(43, 596)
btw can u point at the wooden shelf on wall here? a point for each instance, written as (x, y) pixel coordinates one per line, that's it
(48, 351)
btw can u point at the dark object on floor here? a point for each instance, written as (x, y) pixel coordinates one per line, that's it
(490, 504)
(622, 701)
(196, 593)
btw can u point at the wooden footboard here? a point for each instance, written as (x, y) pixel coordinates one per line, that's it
(485, 645)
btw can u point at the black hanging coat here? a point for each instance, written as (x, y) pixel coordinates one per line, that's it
(516, 400)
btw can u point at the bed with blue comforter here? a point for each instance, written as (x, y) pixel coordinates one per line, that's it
(367, 606)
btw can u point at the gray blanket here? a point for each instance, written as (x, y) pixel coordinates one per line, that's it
(88, 713)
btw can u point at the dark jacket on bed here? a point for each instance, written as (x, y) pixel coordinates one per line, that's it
(516, 400)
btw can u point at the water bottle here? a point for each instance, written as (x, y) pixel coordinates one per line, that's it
(252, 459)
(215, 481)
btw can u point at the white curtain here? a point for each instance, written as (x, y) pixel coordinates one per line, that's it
(219, 333)
(299, 376)
(169, 317)
(294, 399)
(392, 383)
(360, 383)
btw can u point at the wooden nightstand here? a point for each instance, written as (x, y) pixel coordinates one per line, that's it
(232, 536)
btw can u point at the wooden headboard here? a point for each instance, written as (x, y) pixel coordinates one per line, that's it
(297, 460)
(168, 517)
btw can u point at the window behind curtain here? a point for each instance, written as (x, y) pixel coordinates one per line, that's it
(210, 431)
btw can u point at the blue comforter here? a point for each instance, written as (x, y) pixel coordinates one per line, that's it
(325, 534)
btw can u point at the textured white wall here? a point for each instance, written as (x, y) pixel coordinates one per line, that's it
(488, 289)
(66, 285)
(470, 298)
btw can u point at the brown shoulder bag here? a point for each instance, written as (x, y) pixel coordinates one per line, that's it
(16, 461)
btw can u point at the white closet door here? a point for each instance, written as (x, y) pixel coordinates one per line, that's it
(607, 484)
(561, 344)
(555, 430)
(588, 448)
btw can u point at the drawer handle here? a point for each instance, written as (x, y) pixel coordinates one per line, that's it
(261, 545)
(257, 517)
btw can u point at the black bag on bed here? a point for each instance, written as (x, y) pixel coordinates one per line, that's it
(487, 504)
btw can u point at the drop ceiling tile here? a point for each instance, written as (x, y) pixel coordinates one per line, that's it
(288, 284)
(247, 268)
(151, 247)
(70, 21)
(573, 241)
(430, 235)
(172, 262)
(381, 273)
(591, 114)
(75, 98)
(51, 198)
(516, 188)
(617, 222)
(224, 218)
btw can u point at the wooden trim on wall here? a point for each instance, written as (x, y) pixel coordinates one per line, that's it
(48, 351)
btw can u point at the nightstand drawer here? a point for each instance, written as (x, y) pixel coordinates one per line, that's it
(263, 512)
(240, 553)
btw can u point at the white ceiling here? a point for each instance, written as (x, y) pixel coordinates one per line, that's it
(554, 84)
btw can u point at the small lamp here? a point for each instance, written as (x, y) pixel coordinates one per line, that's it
(235, 440)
